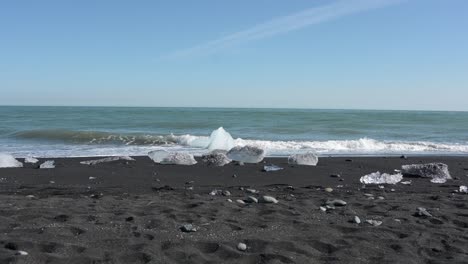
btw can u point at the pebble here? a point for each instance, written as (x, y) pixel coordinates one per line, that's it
(251, 199)
(226, 193)
(242, 247)
(188, 228)
(357, 220)
(336, 202)
(421, 211)
(268, 199)
(374, 222)
(234, 176)
(240, 201)
(328, 189)
(335, 176)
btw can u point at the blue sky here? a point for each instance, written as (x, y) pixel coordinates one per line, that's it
(377, 54)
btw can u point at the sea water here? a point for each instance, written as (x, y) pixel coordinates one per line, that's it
(103, 131)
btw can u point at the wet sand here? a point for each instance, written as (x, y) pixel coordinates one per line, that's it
(132, 211)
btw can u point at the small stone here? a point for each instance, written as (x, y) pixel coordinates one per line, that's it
(251, 199)
(335, 175)
(268, 199)
(336, 202)
(348, 160)
(129, 219)
(239, 201)
(357, 220)
(374, 222)
(188, 228)
(242, 247)
(234, 176)
(11, 246)
(403, 157)
(328, 189)
(226, 193)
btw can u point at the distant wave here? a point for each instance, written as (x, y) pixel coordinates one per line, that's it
(191, 142)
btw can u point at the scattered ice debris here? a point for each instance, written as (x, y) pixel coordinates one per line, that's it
(8, 161)
(309, 159)
(220, 139)
(335, 175)
(251, 199)
(323, 209)
(381, 187)
(158, 155)
(328, 189)
(406, 182)
(247, 154)
(229, 200)
(463, 189)
(239, 201)
(216, 158)
(251, 190)
(242, 247)
(178, 158)
(216, 192)
(226, 193)
(267, 199)
(271, 167)
(92, 178)
(187, 228)
(357, 220)
(22, 253)
(381, 178)
(31, 160)
(49, 164)
(374, 222)
(437, 171)
(30, 196)
(108, 159)
(51, 182)
(336, 202)
(381, 198)
(421, 211)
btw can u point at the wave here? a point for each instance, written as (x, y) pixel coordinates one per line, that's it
(272, 147)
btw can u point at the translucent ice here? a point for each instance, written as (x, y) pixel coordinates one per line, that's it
(50, 164)
(103, 160)
(271, 167)
(31, 160)
(438, 172)
(8, 161)
(158, 155)
(463, 189)
(216, 158)
(381, 178)
(303, 159)
(179, 158)
(220, 139)
(247, 154)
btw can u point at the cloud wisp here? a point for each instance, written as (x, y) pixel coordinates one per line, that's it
(283, 25)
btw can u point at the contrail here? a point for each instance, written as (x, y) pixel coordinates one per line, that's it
(285, 24)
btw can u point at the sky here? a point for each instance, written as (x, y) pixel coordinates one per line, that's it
(351, 54)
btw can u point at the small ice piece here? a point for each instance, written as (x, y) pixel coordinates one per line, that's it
(220, 139)
(8, 161)
(374, 222)
(22, 253)
(309, 159)
(463, 189)
(216, 158)
(406, 182)
(242, 247)
(437, 171)
(158, 155)
(179, 158)
(357, 220)
(421, 211)
(108, 159)
(267, 199)
(187, 228)
(381, 178)
(246, 154)
(271, 167)
(31, 160)
(49, 164)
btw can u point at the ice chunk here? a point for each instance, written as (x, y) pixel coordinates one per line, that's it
(216, 158)
(158, 155)
(179, 158)
(247, 154)
(303, 159)
(220, 139)
(271, 167)
(31, 160)
(8, 161)
(381, 178)
(103, 160)
(49, 164)
(463, 189)
(437, 171)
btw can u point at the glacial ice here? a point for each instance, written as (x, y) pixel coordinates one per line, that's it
(49, 164)
(216, 158)
(31, 160)
(437, 171)
(303, 159)
(8, 161)
(247, 154)
(220, 139)
(179, 158)
(463, 189)
(271, 167)
(381, 178)
(158, 155)
(108, 159)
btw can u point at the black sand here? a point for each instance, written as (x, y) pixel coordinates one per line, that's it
(132, 212)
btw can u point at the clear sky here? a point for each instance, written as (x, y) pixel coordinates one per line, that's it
(377, 54)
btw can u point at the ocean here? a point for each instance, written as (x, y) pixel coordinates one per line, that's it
(101, 131)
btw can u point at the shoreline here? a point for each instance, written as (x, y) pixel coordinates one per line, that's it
(132, 211)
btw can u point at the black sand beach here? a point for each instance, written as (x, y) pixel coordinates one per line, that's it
(132, 211)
